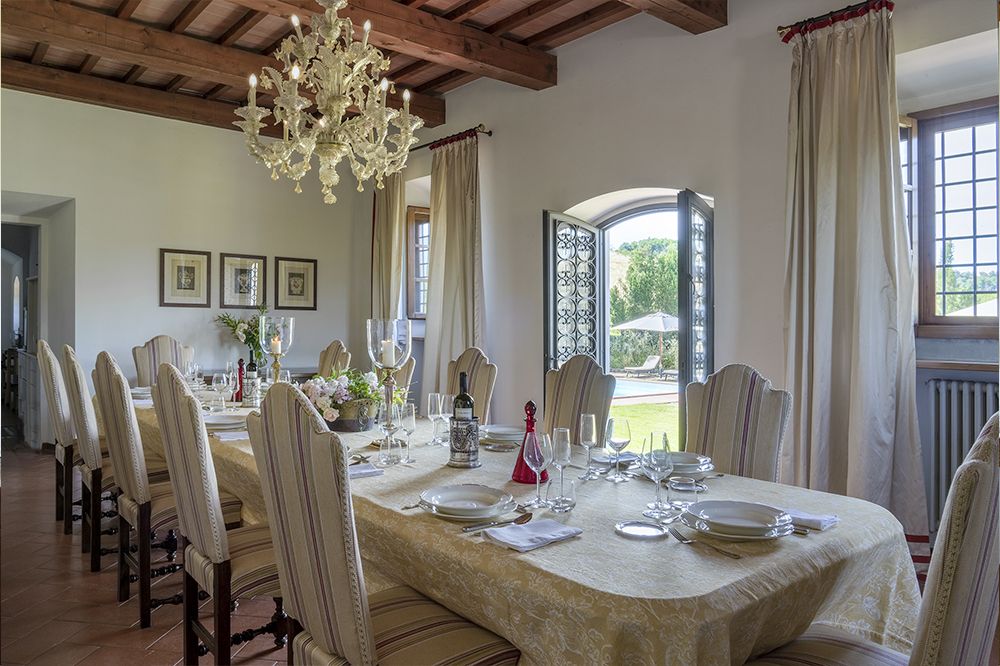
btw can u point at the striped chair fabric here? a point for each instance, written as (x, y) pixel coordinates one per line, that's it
(739, 420)
(157, 350)
(121, 430)
(958, 614)
(81, 404)
(57, 401)
(308, 498)
(577, 387)
(333, 359)
(404, 376)
(482, 377)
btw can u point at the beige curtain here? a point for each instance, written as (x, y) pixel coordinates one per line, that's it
(849, 284)
(388, 247)
(455, 319)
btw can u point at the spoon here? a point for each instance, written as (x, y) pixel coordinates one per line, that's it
(520, 520)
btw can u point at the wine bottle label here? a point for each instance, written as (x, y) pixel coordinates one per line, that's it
(463, 413)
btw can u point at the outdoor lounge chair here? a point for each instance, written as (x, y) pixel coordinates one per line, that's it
(647, 368)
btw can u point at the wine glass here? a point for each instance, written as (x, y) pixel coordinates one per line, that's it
(560, 459)
(285, 376)
(231, 373)
(447, 411)
(388, 420)
(588, 440)
(657, 463)
(618, 437)
(220, 382)
(538, 455)
(434, 414)
(408, 419)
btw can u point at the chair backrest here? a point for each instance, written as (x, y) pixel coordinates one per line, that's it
(303, 473)
(55, 396)
(739, 420)
(161, 349)
(958, 615)
(82, 410)
(121, 428)
(189, 462)
(578, 386)
(482, 377)
(404, 375)
(333, 359)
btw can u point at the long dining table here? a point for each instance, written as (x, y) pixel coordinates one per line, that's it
(601, 598)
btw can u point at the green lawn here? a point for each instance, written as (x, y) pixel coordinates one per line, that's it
(643, 419)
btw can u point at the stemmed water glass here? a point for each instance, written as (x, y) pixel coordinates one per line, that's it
(588, 440)
(560, 459)
(618, 437)
(408, 417)
(220, 382)
(388, 417)
(657, 463)
(434, 414)
(447, 411)
(538, 455)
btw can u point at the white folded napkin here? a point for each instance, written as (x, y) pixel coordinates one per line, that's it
(813, 521)
(232, 435)
(531, 535)
(361, 470)
(142, 403)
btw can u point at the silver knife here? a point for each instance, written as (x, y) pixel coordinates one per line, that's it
(492, 523)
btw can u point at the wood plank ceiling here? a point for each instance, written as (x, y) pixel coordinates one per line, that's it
(190, 59)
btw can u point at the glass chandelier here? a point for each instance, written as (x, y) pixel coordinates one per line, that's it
(330, 100)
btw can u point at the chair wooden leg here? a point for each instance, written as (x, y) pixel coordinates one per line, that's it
(221, 602)
(95, 520)
(85, 519)
(124, 572)
(145, 575)
(59, 491)
(293, 630)
(67, 491)
(190, 618)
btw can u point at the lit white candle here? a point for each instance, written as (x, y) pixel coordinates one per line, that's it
(276, 345)
(296, 24)
(368, 28)
(406, 101)
(252, 93)
(388, 354)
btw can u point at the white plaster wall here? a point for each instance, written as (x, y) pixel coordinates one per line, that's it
(141, 183)
(643, 104)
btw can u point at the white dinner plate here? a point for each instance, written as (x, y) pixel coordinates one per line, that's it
(603, 457)
(502, 432)
(466, 499)
(142, 390)
(496, 512)
(224, 421)
(739, 518)
(683, 459)
(704, 528)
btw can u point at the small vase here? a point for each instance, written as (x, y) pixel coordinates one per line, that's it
(355, 416)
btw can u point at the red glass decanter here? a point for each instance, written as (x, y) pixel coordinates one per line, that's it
(523, 473)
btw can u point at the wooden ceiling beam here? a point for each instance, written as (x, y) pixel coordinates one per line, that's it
(241, 27)
(467, 10)
(416, 4)
(59, 83)
(71, 27)
(695, 16)
(176, 83)
(420, 34)
(134, 73)
(38, 53)
(127, 8)
(189, 14)
(413, 69)
(216, 92)
(446, 82)
(88, 64)
(583, 24)
(526, 15)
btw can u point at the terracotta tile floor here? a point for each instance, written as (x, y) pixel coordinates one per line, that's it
(53, 610)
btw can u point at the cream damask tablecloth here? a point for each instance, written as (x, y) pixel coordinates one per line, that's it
(603, 599)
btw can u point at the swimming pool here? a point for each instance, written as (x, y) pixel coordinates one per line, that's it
(632, 388)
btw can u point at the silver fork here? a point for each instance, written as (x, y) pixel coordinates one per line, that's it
(691, 542)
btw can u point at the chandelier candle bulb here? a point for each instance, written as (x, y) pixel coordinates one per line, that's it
(297, 25)
(368, 29)
(252, 93)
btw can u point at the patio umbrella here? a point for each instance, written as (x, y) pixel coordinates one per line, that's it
(656, 321)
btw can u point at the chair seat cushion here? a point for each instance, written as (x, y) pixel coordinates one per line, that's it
(163, 508)
(60, 452)
(251, 556)
(826, 646)
(411, 629)
(107, 474)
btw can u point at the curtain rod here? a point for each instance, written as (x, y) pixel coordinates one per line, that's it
(786, 32)
(472, 131)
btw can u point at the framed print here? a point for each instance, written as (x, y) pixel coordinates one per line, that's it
(295, 284)
(242, 280)
(185, 278)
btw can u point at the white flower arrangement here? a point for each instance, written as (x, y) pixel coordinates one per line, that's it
(329, 394)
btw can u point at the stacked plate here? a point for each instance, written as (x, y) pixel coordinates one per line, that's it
(737, 521)
(222, 421)
(142, 392)
(501, 437)
(467, 502)
(691, 465)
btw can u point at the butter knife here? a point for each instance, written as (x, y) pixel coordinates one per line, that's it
(494, 523)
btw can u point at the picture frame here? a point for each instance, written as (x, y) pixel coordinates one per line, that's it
(294, 283)
(242, 280)
(185, 278)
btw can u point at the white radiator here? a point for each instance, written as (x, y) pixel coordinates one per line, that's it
(959, 410)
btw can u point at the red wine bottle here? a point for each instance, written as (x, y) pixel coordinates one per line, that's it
(464, 404)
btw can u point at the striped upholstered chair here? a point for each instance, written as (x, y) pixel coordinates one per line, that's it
(958, 614)
(96, 471)
(226, 564)
(578, 387)
(482, 377)
(161, 349)
(739, 420)
(62, 428)
(303, 471)
(143, 504)
(333, 359)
